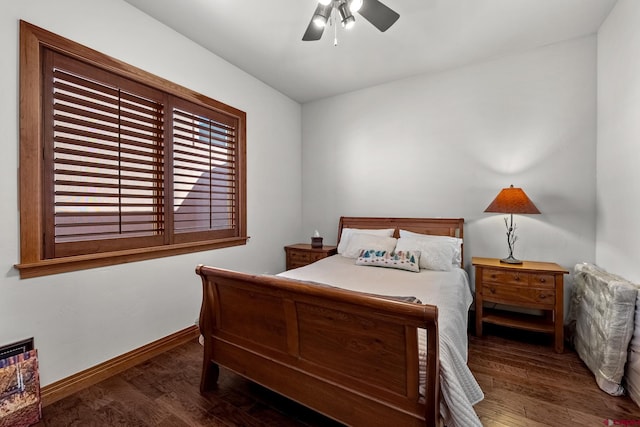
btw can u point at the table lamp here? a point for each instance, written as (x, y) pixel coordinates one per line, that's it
(512, 200)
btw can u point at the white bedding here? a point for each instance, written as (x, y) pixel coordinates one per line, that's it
(448, 290)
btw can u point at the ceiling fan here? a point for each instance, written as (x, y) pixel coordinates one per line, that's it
(373, 11)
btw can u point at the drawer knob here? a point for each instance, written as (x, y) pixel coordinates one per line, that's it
(517, 277)
(492, 290)
(542, 296)
(493, 276)
(542, 280)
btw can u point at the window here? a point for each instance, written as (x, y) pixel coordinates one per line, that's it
(118, 165)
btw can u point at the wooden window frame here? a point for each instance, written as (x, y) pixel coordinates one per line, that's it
(33, 41)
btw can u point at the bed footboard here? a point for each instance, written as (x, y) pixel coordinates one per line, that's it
(350, 356)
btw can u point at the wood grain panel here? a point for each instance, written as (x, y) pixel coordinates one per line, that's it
(367, 350)
(436, 226)
(253, 316)
(503, 276)
(519, 295)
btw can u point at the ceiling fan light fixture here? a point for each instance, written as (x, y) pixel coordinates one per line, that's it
(347, 18)
(320, 21)
(348, 22)
(355, 5)
(375, 12)
(321, 16)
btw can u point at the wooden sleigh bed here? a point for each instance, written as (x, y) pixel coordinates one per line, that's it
(348, 355)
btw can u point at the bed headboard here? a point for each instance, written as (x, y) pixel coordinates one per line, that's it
(453, 227)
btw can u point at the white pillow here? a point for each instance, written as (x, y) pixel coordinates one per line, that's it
(455, 242)
(347, 232)
(434, 254)
(360, 241)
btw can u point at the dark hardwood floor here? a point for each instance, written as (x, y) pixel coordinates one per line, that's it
(525, 383)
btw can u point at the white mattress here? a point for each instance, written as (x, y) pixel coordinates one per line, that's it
(448, 290)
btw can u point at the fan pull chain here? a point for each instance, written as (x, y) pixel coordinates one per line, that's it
(335, 27)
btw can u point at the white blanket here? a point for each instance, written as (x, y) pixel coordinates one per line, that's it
(449, 291)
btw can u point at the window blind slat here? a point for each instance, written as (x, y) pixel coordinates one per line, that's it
(103, 204)
(183, 178)
(101, 177)
(103, 235)
(102, 224)
(202, 145)
(102, 184)
(105, 143)
(187, 136)
(89, 164)
(206, 194)
(135, 129)
(121, 100)
(212, 156)
(220, 120)
(80, 194)
(85, 215)
(153, 161)
(59, 74)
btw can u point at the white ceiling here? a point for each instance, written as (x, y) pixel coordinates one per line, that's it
(264, 38)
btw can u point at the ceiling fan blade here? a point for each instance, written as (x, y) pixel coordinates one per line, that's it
(378, 14)
(313, 31)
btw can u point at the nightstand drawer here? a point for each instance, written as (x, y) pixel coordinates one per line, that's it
(315, 256)
(292, 265)
(300, 257)
(542, 280)
(504, 276)
(519, 295)
(518, 278)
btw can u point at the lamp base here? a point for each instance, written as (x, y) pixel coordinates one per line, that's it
(511, 260)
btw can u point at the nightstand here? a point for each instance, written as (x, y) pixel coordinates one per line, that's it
(531, 285)
(302, 254)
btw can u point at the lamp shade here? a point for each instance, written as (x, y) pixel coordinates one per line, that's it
(512, 200)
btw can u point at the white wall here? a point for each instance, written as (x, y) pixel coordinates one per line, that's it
(445, 144)
(618, 187)
(83, 318)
